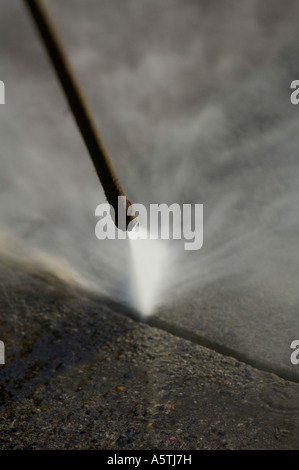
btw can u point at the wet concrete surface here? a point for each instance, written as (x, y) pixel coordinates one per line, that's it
(81, 375)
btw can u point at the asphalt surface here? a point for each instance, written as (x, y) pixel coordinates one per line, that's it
(80, 374)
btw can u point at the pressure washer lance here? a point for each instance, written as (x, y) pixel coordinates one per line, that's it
(81, 111)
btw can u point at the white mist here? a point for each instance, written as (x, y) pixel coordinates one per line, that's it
(150, 263)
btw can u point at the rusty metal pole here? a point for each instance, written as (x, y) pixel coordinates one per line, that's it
(79, 107)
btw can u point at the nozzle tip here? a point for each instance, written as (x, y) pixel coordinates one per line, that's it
(124, 214)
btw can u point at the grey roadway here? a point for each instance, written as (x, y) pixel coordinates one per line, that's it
(80, 374)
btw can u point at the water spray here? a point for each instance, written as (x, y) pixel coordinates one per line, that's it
(148, 257)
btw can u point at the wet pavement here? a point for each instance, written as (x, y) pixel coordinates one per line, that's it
(81, 374)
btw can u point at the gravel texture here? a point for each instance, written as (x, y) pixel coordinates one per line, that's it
(80, 374)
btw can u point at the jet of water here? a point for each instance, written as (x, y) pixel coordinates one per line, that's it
(150, 262)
